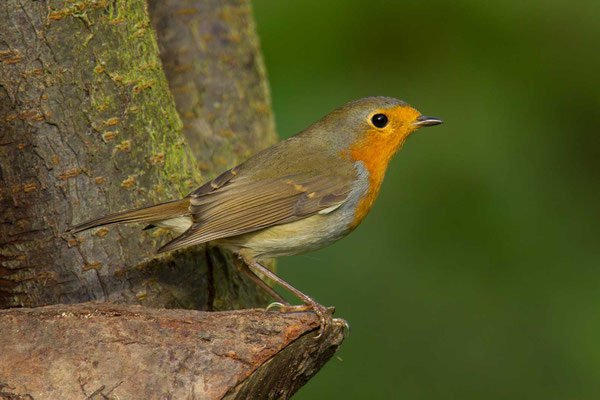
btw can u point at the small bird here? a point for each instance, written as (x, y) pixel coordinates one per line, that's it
(298, 195)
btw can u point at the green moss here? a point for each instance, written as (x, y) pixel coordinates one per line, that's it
(141, 109)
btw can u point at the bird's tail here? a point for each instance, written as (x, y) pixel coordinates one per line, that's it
(157, 212)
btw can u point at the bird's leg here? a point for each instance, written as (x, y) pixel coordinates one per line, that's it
(244, 268)
(309, 303)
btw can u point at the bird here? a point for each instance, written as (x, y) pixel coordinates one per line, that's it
(298, 195)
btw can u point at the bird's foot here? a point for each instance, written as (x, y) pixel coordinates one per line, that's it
(323, 313)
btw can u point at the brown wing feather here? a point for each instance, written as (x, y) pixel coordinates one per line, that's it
(216, 183)
(152, 213)
(243, 205)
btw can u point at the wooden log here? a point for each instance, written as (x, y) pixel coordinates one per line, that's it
(108, 351)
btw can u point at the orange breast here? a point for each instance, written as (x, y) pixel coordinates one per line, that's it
(375, 150)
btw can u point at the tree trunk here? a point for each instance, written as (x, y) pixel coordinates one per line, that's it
(88, 127)
(212, 61)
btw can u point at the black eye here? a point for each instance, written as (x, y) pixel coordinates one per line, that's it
(379, 120)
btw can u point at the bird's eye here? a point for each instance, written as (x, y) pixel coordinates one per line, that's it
(379, 120)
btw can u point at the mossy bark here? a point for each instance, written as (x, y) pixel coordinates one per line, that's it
(212, 61)
(88, 127)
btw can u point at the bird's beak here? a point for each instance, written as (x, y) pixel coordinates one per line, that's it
(422, 121)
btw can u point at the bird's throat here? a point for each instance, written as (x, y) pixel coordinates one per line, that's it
(375, 151)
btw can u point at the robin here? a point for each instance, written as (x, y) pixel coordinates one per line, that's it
(298, 195)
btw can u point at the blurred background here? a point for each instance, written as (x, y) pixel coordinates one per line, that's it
(477, 273)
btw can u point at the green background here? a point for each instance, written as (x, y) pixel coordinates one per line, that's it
(477, 273)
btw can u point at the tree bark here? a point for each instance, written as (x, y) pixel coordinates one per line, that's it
(88, 127)
(212, 61)
(103, 351)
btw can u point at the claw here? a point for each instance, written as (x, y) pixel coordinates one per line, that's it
(341, 321)
(324, 318)
(275, 304)
(324, 314)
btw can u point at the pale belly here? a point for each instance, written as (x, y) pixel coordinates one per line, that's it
(297, 237)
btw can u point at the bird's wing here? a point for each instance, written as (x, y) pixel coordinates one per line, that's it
(232, 205)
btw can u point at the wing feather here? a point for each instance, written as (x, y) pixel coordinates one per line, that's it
(241, 205)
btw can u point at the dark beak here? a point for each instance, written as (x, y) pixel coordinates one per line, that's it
(427, 121)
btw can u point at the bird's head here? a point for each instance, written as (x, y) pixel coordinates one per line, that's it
(373, 129)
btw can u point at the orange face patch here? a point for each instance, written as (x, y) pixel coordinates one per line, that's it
(376, 148)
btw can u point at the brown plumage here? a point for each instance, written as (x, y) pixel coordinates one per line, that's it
(157, 212)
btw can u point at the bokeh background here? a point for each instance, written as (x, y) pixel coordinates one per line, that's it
(477, 273)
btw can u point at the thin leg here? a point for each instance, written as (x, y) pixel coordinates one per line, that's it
(309, 303)
(242, 265)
